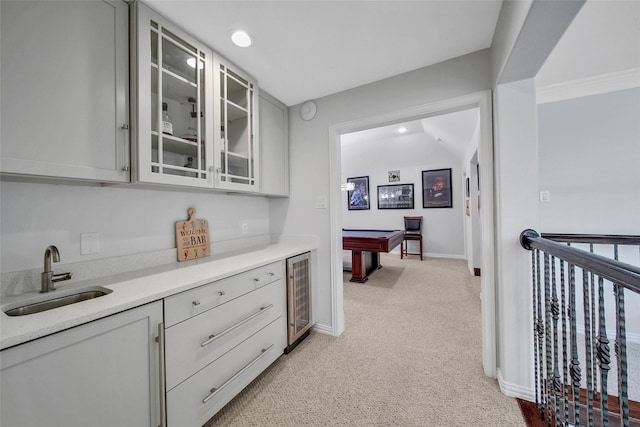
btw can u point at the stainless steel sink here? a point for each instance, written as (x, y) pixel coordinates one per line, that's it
(55, 301)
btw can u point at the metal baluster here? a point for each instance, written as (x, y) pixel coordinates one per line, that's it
(540, 330)
(535, 324)
(594, 334)
(604, 358)
(555, 311)
(547, 333)
(565, 359)
(587, 344)
(575, 362)
(621, 349)
(621, 352)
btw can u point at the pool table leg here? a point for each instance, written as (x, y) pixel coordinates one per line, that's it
(375, 261)
(358, 267)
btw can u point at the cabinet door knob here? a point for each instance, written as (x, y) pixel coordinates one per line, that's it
(196, 302)
(221, 293)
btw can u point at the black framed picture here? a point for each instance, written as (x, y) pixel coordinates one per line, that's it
(398, 196)
(358, 198)
(436, 189)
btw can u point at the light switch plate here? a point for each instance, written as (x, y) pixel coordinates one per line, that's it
(321, 202)
(89, 243)
(545, 196)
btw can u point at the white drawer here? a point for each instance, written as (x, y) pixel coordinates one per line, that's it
(198, 341)
(196, 400)
(195, 301)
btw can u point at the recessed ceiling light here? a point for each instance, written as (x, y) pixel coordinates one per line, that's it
(402, 129)
(241, 38)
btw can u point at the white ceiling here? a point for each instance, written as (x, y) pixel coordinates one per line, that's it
(453, 131)
(304, 50)
(603, 38)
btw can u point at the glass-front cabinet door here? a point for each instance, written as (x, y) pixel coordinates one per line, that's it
(174, 104)
(236, 156)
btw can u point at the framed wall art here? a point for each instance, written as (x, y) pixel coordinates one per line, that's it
(358, 198)
(437, 189)
(394, 176)
(398, 196)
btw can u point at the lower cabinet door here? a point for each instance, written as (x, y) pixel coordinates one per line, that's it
(193, 402)
(103, 373)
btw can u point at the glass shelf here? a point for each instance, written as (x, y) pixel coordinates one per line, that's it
(177, 145)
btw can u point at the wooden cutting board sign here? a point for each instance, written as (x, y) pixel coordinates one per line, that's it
(192, 237)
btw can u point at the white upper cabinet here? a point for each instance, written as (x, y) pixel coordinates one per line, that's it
(64, 84)
(274, 146)
(236, 157)
(174, 103)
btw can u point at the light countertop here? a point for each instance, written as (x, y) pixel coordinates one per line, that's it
(133, 289)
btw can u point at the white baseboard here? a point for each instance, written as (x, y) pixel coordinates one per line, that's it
(515, 390)
(432, 255)
(632, 337)
(323, 329)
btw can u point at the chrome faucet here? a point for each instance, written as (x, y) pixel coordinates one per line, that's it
(48, 278)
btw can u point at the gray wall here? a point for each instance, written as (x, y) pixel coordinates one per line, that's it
(410, 154)
(590, 163)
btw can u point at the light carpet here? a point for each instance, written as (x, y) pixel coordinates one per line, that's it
(410, 356)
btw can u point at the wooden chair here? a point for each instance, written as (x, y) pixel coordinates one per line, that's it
(412, 231)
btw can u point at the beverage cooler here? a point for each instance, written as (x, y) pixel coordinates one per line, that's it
(298, 299)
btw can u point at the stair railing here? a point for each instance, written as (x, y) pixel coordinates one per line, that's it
(558, 318)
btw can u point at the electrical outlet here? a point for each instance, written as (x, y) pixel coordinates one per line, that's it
(89, 243)
(245, 228)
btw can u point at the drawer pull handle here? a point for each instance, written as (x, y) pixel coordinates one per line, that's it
(215, 390)
(214, 337)
(221, 293)
(162, 375)
(268, 276)
(196, 302)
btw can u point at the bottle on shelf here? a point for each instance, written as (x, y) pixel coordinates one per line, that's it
(167, 123)
(191, 166)
(192, 130)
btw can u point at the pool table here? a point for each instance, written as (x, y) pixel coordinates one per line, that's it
(365, 246)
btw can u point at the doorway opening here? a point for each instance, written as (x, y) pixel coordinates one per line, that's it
(481, 101)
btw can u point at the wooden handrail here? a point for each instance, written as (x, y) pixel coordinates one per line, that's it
(617, 272)
(609, 239)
